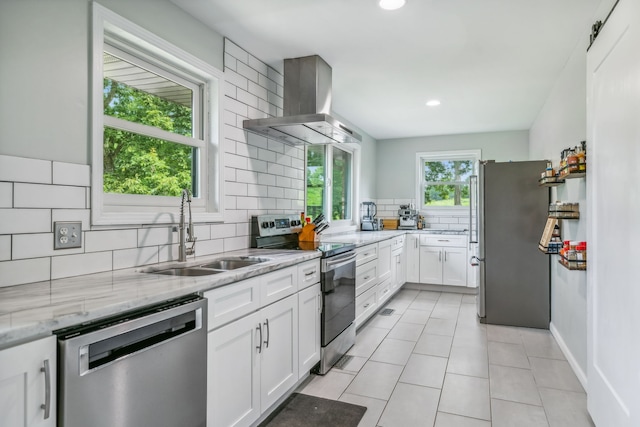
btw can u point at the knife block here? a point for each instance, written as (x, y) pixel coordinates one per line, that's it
(308, 234)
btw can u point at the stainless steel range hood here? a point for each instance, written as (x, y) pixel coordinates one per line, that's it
(307, 107)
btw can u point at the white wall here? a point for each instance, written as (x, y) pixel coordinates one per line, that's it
(44, 77)
(560, 124)
(395, 172)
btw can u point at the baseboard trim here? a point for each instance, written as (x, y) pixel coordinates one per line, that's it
(440, 288)
(582, 377)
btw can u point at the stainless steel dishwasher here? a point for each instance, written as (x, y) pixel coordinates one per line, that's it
(146, 367)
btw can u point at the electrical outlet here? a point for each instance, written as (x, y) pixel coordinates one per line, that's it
(67, 235)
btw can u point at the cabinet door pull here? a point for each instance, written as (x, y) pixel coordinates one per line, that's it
(443, 240)
(367, 305)
(445, 256)
(311, 273)
(259, 329)
(47, 389)
(320, 303)
(266, 325)
(366, 277)
(440, 256)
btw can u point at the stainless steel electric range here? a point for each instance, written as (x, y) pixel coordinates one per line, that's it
(337, 283)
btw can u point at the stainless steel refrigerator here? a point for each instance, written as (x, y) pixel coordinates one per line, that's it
(508, 212)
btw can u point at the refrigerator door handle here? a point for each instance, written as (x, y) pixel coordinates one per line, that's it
(473, 238)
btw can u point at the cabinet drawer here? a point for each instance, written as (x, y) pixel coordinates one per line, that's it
(384, 291)
(232, 302)
(365, 305)
(443, 240)
(277, 285)
(366, 276)
(365, 254)
(397, 243)
(308, 274)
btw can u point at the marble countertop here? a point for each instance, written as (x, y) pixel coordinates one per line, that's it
(36, 309)
(361, 238)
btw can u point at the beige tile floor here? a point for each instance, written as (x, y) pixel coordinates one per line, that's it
(431, 363)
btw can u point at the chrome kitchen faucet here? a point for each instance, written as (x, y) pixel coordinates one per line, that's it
(183, 251)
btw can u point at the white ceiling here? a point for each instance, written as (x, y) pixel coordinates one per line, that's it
(492, 63)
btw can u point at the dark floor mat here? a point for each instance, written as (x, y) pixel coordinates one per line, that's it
(302, 410)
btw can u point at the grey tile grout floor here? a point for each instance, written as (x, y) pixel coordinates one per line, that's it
(431, 363)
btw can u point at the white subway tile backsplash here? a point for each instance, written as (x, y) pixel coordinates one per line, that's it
(5, 247)
(257, 190)
(236, 189)
(258, 65)
(235, 161)
(210, 247)
(258, 165)
(257, 140)
(220, 231)
(230, 118)
(14, 221)
(247, 98)
(229, 203)
(448, 220)
(37, 245)
(76, 265)
(246, 71)
(234, 133)
(167, 253)
(202, 231)
(258, 113)
(229, 146)
(284, 204)
(237, 107)
(266, 179)
(233, 78)
(21, 169)
(291, 193)
(283, 181)
(109, 240)
(268, 203)
(236, 51)
(257, 90)
(275, 76)
(229, 61)
(156, 236)
(276, 192)
(230, 90)
(284, 160)
(266, 155)
(24, 271)
(275, 169)
(229, 174)
(247, 203)
(276, 146)
(268, 84)
(246, 176)
(236, 243)
(6, 195)
(246, 150)
(71, 174)
(128, 258)
(48, 196)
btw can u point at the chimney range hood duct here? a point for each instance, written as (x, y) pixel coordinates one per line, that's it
(307, 105)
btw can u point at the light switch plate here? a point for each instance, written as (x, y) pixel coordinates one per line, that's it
(67, 234)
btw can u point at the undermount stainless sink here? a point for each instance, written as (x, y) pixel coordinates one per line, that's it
(233, 263)
(214, 267)
(186, 271)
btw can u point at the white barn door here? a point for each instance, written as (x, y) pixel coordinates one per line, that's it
(613, 194)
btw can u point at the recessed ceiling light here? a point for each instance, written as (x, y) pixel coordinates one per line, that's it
(391, 4)
(433, 103)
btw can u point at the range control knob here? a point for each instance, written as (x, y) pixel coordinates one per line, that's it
(265, 224)
(272, 224)
(295, 222)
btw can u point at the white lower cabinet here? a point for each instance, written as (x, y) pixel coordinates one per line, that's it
(412, 257)
(28, 384)
(252, 363)
(443, 260)
(258, 348)
(309, 309)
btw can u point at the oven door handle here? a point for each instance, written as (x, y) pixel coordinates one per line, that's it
(337, 261)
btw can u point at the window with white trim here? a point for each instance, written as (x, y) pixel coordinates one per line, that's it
(155, 127)
(442, 178)
(330, 183)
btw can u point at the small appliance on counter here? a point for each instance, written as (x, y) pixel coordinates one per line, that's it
(368, 221)
(408, 218)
